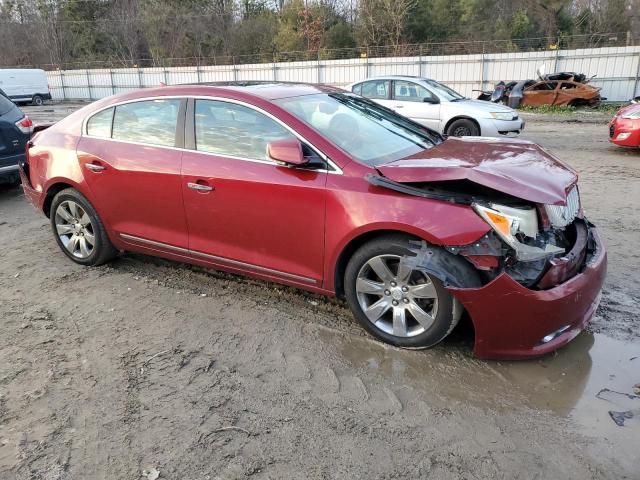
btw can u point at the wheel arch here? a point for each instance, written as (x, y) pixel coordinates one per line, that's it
(461, 117)
(350, 248)
(54, 187)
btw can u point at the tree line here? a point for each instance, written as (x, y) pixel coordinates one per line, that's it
(64, 33)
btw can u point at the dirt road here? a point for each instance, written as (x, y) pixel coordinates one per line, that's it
(106, 372)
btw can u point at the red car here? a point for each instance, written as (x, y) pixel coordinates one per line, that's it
(321, 189)
(624, 129)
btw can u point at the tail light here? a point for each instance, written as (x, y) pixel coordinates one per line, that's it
(25, 125)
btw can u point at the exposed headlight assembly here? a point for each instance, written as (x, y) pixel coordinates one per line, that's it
(504, 115)
(508, 222)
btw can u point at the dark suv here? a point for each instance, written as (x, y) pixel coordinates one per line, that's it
(15, 131)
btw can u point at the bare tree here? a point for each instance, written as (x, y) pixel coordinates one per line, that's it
(50, 31)
(382, 22)
(123, 27)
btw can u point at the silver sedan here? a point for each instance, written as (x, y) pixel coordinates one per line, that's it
(437, 106)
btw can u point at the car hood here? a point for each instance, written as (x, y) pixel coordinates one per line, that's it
(515, 167)
(476, 107)
(628, 109)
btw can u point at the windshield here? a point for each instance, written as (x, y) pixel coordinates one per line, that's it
(444, 92)
(365, 130)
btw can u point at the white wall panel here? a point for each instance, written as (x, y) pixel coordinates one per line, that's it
(616, 70)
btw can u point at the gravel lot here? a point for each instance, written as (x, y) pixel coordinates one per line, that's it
(147, 364)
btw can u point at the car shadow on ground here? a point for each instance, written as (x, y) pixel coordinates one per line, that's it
(9, 191)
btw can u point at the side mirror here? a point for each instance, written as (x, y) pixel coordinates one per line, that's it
(286, 152)
(433, 100)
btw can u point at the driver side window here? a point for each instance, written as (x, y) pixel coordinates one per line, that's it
(404, 91)
(234, 130)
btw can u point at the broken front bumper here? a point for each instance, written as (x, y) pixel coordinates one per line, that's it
(512, 321)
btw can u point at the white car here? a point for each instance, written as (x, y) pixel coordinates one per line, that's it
(440, 108)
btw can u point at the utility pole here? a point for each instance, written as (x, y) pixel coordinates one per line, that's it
(633, 11)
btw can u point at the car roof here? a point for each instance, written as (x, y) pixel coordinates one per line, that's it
(396, 77)
(257, 93)
(271, 90)
(264, 90)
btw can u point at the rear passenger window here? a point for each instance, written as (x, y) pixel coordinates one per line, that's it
(357, 89)
(149, 121)
(100, 124)
(376, 89)
(234, 130)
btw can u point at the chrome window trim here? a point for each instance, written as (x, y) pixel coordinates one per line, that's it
(335, 169)
(215, 258)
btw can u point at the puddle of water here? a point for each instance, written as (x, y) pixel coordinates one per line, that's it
(564, 383)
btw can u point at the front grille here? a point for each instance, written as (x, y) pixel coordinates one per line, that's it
(560, 216)
(612, 130)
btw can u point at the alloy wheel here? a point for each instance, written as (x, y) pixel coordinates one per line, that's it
(395, 298)
(75, 229)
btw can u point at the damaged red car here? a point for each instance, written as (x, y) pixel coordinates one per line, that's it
(321, 189)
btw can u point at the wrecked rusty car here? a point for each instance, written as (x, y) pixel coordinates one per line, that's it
(560, 92)
(566, 89)
(324, 190)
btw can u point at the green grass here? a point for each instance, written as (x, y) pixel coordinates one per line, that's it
(559, 109)
(609, 108)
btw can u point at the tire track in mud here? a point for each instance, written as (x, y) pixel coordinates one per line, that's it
(45, 368)
(247, 370)
(283, 300)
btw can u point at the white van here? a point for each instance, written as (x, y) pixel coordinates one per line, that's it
(25, 85)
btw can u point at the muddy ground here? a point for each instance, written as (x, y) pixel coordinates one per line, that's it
(146, 364)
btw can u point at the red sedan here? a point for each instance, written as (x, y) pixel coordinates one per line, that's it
(624, 129)
(330, 192)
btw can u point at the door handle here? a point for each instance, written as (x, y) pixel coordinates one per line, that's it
(94, 167)
(399, 106)
(199, 187)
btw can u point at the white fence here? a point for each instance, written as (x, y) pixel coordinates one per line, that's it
(616, 68)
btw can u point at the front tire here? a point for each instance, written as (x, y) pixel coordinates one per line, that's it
(405, 307)
(78, 229)
(37, 100)
(463, 127)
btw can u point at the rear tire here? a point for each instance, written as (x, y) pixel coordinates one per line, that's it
(400, 306)
(37, 100)
(463, 127)
(78, 229)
